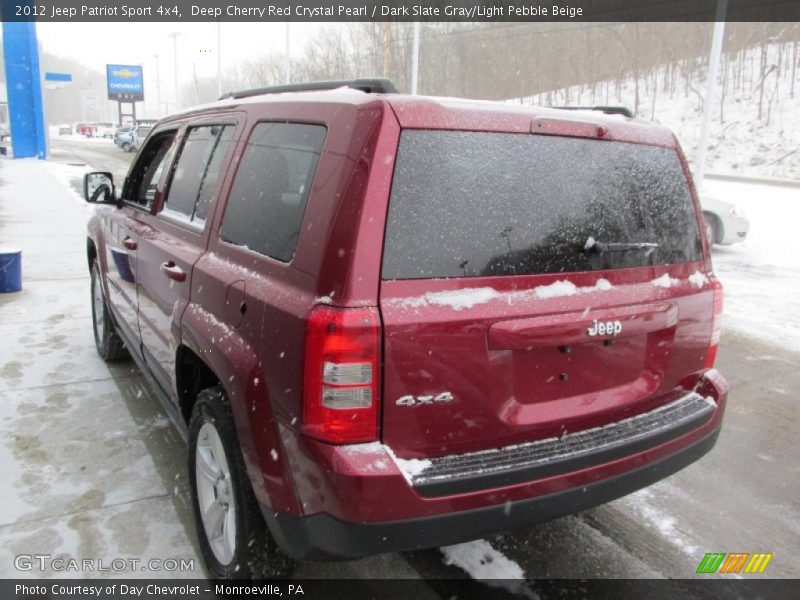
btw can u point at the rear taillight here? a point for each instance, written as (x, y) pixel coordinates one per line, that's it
(342, 375)
(716, 325)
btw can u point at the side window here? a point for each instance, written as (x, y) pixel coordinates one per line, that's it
(140, 187)
(196, 173)
(269, 195)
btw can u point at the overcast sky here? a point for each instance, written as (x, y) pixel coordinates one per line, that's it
(98, 44)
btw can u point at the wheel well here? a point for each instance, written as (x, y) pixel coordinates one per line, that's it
(191, 376)
(91, 252)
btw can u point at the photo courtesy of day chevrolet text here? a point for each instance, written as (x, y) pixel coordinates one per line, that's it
(150, 590)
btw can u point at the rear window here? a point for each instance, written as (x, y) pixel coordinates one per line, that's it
(468, 204)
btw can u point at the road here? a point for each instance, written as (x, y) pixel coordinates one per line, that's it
(742, 497)
(101, 154)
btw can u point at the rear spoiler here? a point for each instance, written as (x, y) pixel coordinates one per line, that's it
(609, 110)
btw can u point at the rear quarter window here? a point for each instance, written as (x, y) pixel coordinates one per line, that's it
(269, 195)
(469, 204)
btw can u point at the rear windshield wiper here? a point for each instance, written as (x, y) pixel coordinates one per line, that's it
(592, 245)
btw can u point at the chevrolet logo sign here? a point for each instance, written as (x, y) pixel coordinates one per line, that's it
(125, 74)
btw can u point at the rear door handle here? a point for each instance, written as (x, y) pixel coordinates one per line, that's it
(173, 271)
(129, 243)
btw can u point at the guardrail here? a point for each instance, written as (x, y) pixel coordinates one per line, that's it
(762, 180)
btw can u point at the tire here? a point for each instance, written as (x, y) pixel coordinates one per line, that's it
(713, 229)
(109, 345)
(243, 547)
(127, 147)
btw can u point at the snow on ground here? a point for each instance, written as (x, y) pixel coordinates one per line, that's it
(82, 138)
(483, 563)
(76, 137)
(761, 276)
(642, 504)
(71, 177)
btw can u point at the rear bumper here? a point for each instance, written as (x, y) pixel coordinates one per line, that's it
(360, 499)
(324, 536)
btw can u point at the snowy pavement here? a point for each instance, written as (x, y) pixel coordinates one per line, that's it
(94, 469)
(761, 276)
(91, 465)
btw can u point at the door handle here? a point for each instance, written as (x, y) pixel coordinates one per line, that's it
(173, 271)
(129, 243)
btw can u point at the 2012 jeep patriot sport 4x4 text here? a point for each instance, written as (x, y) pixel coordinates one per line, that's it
(389, 322)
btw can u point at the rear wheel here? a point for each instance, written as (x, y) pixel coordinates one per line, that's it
(109, 345)
(712, 228)
(127, 147)
(234, 538)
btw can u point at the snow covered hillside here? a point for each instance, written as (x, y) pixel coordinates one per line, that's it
(741, 141)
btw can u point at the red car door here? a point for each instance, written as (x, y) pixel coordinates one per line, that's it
(120, 246)
(173, 239)
(122, 230)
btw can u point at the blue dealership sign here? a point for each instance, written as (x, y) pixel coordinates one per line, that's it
(125, 83)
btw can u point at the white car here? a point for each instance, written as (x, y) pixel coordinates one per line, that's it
(105, 130)
(725, 223)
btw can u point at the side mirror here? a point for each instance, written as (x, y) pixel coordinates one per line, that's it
(98, 187)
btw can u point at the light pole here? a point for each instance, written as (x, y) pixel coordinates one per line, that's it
(174, 35)
(711, 86)
(287, 66)
(415, 60)
(219, 59)
(158, 84)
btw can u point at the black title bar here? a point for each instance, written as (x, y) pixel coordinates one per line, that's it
(395, 10)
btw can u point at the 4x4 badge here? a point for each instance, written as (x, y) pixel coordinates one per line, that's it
(612, 328)
(443, 398)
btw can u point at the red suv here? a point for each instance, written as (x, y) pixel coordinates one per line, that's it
(387, 322)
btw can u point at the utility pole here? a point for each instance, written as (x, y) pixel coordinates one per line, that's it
(415, 60)
(158, 84)
(287, 65)
(174, 35)
(387, 48)
(194, 78)
(219, 59)
(711, 86)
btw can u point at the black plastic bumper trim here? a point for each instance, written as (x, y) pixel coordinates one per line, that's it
(323, 536)
(639, 433)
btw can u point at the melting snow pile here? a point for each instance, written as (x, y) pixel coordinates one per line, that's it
(556, 290)
(409, 467)
(469, 297)
(481, 561)
(665, 281)
(455, 299)
(698, 279)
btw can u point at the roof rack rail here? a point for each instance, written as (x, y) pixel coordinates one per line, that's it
(609, 110)
(373, 85)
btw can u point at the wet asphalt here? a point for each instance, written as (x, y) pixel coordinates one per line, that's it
(93, 467)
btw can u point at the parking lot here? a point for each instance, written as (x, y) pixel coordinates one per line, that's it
(93, 467)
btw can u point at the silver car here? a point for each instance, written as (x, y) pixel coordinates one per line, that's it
(725, 222)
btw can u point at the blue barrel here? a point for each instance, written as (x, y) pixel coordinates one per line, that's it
(10, 270)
